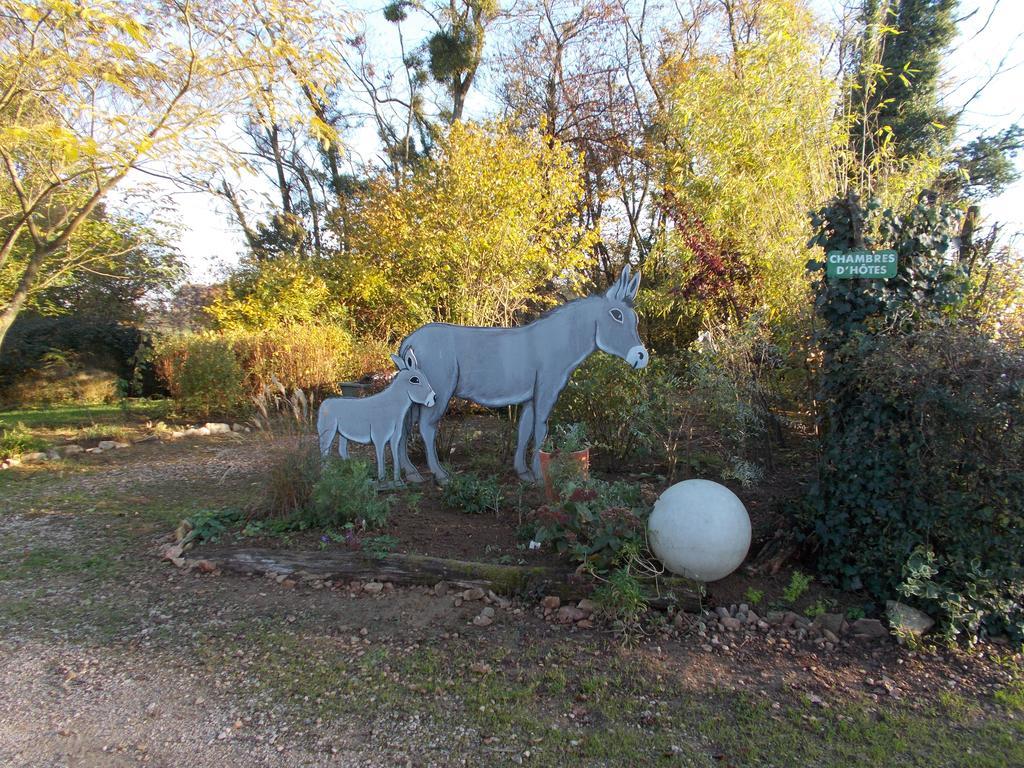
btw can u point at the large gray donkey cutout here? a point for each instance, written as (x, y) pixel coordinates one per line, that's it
(528, 365)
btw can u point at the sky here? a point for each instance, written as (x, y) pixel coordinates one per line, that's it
(994, 33)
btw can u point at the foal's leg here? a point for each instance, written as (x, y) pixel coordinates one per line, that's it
(396, 461)
(525, 430)
(378, 446)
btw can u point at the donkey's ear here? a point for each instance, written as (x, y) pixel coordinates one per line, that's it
(632, 288)
(618, 288)
(410, 359)
(399, 362)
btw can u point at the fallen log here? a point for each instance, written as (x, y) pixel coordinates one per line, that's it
(408, 570)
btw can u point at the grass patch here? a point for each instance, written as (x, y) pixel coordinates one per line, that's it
(576, 709)
(74, 416)
(17, 440)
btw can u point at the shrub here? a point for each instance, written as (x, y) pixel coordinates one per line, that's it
(626, 413)
(202, 374)
(734, 382)
(312, 357)
(597, 524)
(289, 478)
(346, 492)
(472, 494)
(934, 508)
(920, 488)
(216, 373)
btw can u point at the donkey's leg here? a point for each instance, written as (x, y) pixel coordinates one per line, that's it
(343, 447)
(525, 430)
(428, 430)
(543, 404)
(411, 473)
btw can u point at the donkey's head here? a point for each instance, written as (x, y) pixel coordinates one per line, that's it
(413, 379)
(617, 322)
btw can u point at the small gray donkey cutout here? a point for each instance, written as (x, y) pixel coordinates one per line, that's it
(379, 419)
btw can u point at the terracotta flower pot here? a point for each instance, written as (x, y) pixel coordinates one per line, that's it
(577, 463)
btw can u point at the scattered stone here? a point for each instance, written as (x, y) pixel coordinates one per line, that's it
(197, 432)
(236, 427)
(802, 622)
(833, 622)
(488, 612)
(171, 551)
(723, 612)
(288, 583)
(147, 439)
(731, 624)
(217, 428)
(752, 617)
(869, 629)
(906, 620)
(31, 458)
(441, 588)
(482, 620)
(119, 445)
(830, 636)
(373, 587)
(568, 614)
(94, 450)
(789, 618)
(204, 566)
(52, 454)
(587, 606)
(473, 593)
(71, 450)
(480, 668)
(585, 624)
(176, 435)
(551, 602)
(107, 445)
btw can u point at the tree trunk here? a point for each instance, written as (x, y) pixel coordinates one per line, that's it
(17, 301)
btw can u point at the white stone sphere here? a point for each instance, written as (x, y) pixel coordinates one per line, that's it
(699, 529)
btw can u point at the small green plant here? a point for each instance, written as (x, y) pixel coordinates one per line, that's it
(855, 612)
(208, 525)
(472, 494)
(753, 596)
(17, 440)
(567, 438)
(621, 598)
(378, 547)
(798, 584)
(596, 524)
(816, 608)
(346, 492)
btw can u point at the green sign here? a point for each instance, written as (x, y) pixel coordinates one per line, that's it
(861, 263)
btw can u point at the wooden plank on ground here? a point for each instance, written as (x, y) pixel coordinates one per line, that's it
(408, 570)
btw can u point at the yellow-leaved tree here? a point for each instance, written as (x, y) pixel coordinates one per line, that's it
(473, 235)
(751, 141)
(94, 89)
